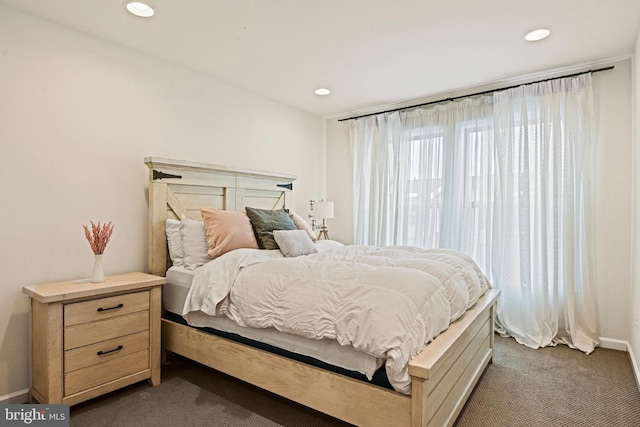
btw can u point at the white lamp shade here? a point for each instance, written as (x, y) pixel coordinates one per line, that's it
(323, 210)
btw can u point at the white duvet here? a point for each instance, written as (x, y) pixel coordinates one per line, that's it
(387, 302)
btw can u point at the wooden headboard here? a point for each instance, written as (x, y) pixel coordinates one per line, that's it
(178, 189)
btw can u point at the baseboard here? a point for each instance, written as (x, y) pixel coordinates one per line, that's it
(621, 345)
(613, 344)
(17, 397)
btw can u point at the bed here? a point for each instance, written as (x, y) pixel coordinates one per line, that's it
(442, 375)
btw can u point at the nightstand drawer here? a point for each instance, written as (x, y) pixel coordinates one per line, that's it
(102, 330)
(105, 308)
(93, 354)
(96, 375)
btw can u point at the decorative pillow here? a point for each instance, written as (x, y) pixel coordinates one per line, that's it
(294, 243)
(301, 224)
(226, 231)
(264, 221)
(174, 242)
(325, 245)
(194, 243)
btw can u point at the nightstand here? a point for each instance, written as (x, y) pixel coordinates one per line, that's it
(88, 339)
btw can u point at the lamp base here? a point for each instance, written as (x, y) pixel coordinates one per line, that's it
(323, 232)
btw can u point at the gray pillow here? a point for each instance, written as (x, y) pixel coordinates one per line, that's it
(294, 243)
(264, 221)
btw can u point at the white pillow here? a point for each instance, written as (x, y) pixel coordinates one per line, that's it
(194, 243)
(294, 243)
(174, 241)
(324, 245)
(301, 224)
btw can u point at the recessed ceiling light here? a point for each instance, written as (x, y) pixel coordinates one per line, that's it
(140, 9)
(322, 91)
(535, 35)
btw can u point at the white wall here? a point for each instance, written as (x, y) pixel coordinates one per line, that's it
(77, 117)
(340, 181)
(612, 211)
(612, 214)
(634, 320)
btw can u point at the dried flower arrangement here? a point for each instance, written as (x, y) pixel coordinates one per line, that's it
(99, 236)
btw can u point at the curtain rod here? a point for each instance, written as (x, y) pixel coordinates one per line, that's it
(478, 93)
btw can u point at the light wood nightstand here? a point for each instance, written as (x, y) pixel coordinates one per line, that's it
(88, 339)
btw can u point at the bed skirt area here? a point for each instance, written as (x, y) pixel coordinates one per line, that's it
(342, 397)
(379, 378)
(443, 374)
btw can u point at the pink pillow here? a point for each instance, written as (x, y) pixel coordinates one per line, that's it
(301, 224)
(227, 230)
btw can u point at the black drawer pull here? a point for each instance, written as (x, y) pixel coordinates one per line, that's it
(101, 353)
(100, 310)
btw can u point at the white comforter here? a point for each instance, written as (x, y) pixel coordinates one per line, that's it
(388, 302)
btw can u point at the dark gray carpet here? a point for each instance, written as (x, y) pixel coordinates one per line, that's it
(194, 395)
(553, 386)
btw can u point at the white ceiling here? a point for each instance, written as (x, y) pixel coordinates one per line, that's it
(368, 52)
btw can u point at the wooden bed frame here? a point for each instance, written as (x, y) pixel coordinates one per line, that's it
(443, 374)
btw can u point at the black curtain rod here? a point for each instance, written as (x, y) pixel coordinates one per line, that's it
(478, 93)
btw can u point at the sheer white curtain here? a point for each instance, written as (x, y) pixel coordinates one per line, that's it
(541, 258)
(503, 178)
(423, 177)
(371, 141)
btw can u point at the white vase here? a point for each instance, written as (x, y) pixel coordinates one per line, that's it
(98, 272)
